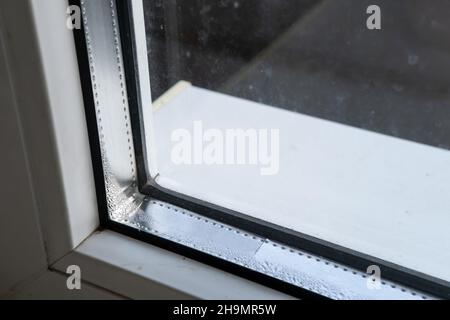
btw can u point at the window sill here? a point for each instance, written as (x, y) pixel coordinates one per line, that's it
(344, 185)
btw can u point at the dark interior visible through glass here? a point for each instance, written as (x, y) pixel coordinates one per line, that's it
(313, 57)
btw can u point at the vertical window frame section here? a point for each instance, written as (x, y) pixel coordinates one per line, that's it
(147, 186)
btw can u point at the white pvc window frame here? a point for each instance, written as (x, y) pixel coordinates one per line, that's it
(54, 132)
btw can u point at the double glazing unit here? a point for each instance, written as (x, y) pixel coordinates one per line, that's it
(346, 194)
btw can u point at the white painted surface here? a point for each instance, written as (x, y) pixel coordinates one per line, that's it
(376, 194)
(141, 271)
(78, 214)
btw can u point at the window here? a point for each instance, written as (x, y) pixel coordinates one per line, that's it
(294, 143)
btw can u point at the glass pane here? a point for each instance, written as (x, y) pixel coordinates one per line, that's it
(385, 69)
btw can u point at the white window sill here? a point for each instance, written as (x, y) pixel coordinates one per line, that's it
(372, 193)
